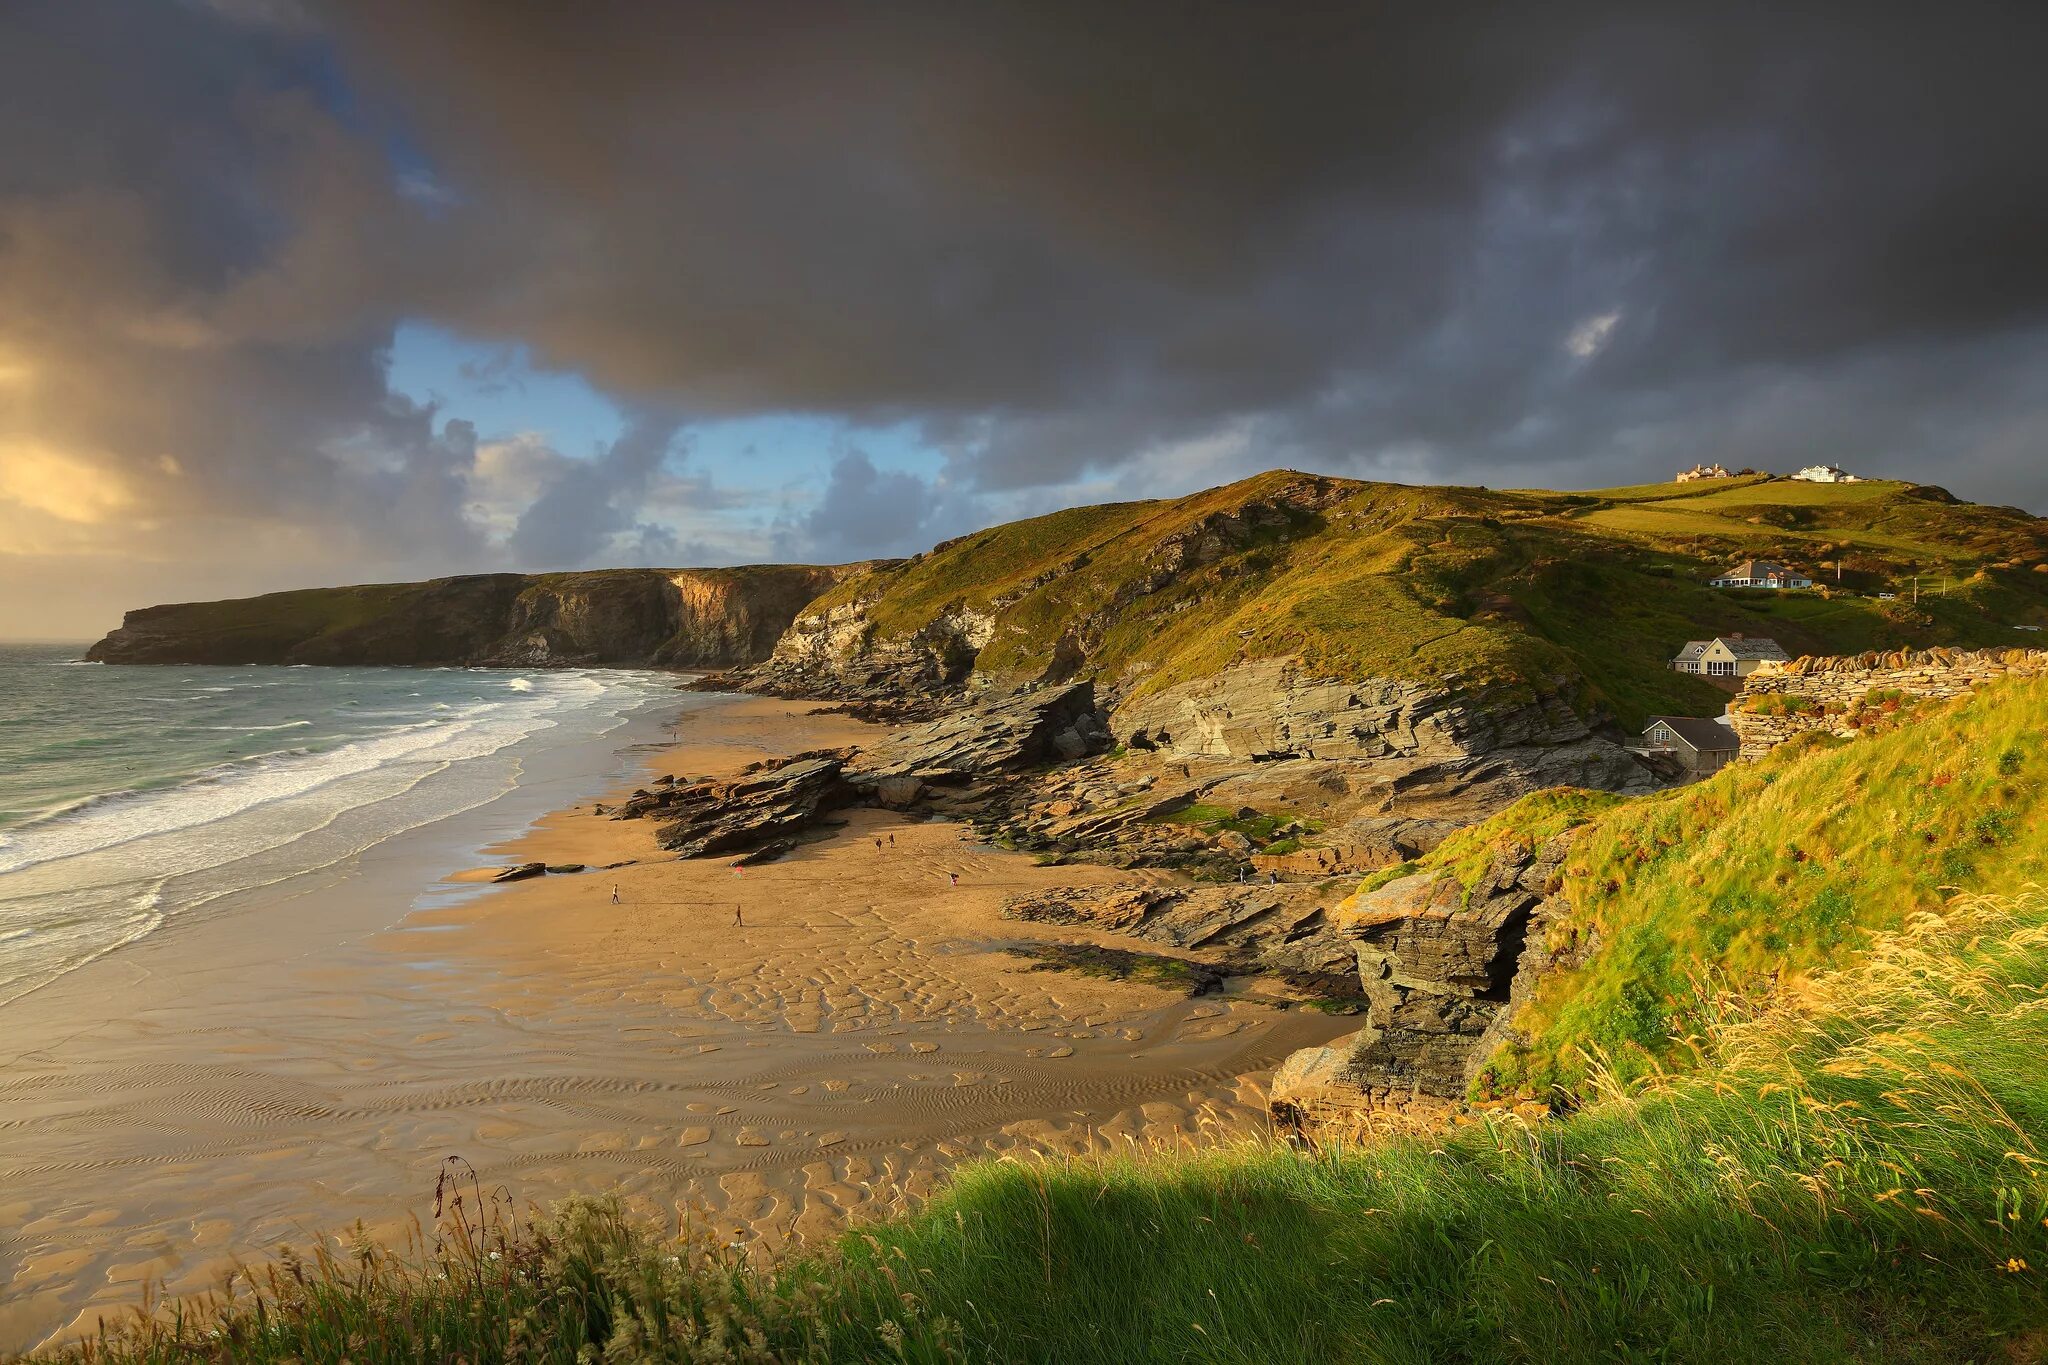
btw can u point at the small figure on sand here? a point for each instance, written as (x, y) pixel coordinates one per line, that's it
(615, 893)
(953, 877)
(878, 843)
(741, 923)
(738, 867)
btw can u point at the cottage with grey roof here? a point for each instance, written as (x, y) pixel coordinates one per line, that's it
(1700, 744)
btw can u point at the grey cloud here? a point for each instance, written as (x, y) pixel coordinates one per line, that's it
(1085, 233)
(587, 504)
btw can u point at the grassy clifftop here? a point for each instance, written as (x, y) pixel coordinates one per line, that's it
(1763, 872)
(1363, 579)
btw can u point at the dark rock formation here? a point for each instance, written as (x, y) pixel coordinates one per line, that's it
(769, 802)
(520, 872)
(1281, 931)
(1443, 967)
(997, 735)
(677, 618)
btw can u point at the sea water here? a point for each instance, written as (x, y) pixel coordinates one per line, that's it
(131, 796)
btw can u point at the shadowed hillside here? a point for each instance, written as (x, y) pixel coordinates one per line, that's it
(678, 618)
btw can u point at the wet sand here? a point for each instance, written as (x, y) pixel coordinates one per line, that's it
(290, 1068)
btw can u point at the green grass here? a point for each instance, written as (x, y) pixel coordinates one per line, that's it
(1261, 828)
(1856, 1174)
(1763, 871)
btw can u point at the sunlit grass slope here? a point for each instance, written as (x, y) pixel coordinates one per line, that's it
(1855, 1174)
(1764, 871)
(1596, 590)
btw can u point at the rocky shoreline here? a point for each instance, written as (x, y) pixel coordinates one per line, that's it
(1242, 866)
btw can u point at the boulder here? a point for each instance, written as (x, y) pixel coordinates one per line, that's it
(899, 792)
(520, 872)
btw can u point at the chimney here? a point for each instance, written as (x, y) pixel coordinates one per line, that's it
(1735, 635)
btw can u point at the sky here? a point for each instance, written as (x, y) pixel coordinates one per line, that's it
(295, 293)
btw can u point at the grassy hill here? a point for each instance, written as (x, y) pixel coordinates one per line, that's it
(1364, 579)
(1764, 871)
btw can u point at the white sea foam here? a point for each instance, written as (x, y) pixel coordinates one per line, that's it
(86, 874)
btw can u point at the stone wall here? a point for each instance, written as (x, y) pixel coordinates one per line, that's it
(1838, 687)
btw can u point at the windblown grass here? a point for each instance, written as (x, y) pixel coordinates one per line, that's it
(1856, 1174)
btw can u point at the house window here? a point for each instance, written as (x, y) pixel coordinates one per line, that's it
(1661, 735)
(1721, 668)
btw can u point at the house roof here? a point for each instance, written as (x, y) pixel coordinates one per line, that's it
(1760, 568)
(1694, 648)
(1754, 647)
(1700, 734)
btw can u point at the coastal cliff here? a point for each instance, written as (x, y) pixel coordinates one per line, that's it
(673, 618)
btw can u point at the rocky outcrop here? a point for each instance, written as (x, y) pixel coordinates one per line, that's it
(1443, 967)
(1274, 708)
(996, 735)
(766, 803)
(1281, 931)
(772, 802)
(676, 618)
(835, 652)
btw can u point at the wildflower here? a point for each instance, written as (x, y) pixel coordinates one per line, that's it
(2014, 1265)
(496, 1256)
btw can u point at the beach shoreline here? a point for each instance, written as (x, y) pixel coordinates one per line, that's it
(279, 1073)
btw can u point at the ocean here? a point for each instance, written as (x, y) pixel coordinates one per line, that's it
(133, 796)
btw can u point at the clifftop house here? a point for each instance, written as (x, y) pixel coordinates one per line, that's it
(1702, 471)
(1761, 573)
(1826, 473)
(1699, 744)
(1728, 656)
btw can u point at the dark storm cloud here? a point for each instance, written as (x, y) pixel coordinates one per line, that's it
(1087, 250)
(1087, 231)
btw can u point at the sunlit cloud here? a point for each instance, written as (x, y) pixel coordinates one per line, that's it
(61, 485)
(1590, 337)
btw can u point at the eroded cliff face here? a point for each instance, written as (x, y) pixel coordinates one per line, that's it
(835, 652)
(679, 618)
(1444, 967)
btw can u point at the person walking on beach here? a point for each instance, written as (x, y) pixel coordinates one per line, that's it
(953, 878)
(878, 843)
(615, 893)
(737, 921)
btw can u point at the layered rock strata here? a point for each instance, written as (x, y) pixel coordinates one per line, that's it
(1443, 967)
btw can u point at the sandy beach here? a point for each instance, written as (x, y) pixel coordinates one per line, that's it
(770, 1052)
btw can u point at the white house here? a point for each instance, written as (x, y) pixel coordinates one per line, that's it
(1761, 573)
(1826, 473)
(1728, 656)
